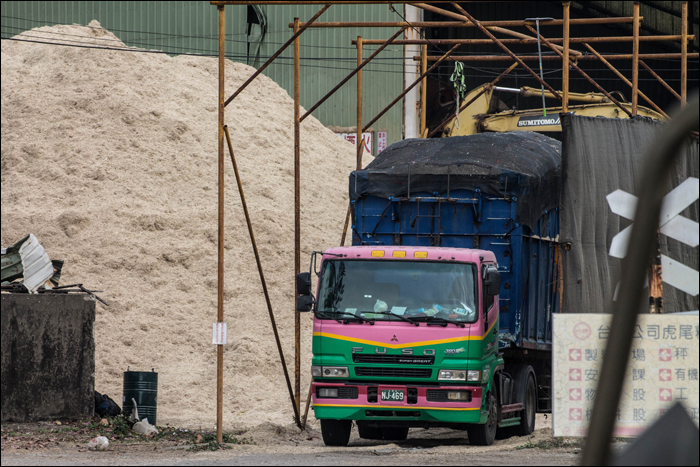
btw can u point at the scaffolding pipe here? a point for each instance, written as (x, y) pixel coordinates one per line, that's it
(423, 89)
(297, 226)
(220, 246)
(260, 270)
(457, 16)
(627, 82)
(275, 55)
(506, 49)
(590, 80)
(635, 59)
(530, 40)
(565, 58)
(684, 54)
(460, 24)
(551, 58)
(347, 78)
(359, 143)
(405, 91)
(660, 79)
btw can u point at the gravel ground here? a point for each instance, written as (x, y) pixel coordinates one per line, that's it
(268, 444)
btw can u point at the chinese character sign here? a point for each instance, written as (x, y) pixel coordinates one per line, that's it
(381, 141)
(662, 369)
(366, 138)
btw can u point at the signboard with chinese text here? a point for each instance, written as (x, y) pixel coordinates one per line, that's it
(381, 141)
(366, 138)
(663, 369)
(219, 334)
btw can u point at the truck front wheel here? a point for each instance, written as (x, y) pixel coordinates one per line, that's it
(528, 394)
(483, 435)
(336, 432)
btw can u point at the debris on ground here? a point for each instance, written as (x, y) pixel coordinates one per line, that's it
(99, 443)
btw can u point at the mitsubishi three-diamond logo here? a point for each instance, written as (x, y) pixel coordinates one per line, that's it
(671, 224)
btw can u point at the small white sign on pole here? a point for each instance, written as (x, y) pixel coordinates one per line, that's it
(219, 334)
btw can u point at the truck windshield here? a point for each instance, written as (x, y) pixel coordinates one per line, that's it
(414, 289)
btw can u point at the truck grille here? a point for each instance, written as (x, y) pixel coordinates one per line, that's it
(439, 395)
(393, 359)
(395, 372)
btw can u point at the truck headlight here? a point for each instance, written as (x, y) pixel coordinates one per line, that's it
(452, 375)
(474, 375)
(330, 371)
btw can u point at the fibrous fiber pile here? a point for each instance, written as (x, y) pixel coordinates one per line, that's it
(110, 158)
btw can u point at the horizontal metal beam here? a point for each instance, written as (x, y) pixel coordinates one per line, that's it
(461, 24)
(578, 40)
(336, 2)
(551, 58)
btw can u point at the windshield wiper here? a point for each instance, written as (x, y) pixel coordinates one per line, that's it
(442, 321)
(346, 321)
(388, 313)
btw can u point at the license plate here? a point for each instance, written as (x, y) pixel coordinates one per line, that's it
(392, 395)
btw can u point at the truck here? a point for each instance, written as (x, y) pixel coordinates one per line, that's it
(439, 313)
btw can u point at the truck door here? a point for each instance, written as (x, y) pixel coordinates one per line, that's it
(489, 314)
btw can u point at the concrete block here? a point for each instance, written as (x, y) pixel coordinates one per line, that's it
(48, 356)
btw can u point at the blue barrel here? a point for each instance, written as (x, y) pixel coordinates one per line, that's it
(142, 386)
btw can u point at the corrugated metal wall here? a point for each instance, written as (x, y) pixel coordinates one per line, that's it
(191, 27)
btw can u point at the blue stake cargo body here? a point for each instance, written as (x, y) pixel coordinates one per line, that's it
(142, 386)
(491, 191)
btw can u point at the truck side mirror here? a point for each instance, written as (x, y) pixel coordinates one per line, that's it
(492, 281)
(305, 303)
(304, 283)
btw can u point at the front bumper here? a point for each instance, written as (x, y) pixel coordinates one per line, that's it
(422, 409)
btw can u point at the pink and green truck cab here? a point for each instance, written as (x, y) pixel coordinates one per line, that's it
(438, 315)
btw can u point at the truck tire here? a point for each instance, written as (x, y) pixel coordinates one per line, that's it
(369, 432)
(484, 435)
(527, 393)
(395, 433)
(336, 432)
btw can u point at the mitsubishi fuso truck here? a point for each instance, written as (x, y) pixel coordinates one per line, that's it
(439, 314)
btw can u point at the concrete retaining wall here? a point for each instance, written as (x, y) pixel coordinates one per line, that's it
(48, 357)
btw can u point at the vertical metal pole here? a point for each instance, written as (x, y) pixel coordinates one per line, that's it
(220, 283)
(297, 223)
(635, 58)
(539, 52)
(360, 144)
(565, 61)
(423, 89)
(684, 54)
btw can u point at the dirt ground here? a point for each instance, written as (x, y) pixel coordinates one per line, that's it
(47, 443)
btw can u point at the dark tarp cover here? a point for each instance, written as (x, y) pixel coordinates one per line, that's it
(601, 155)
(519, 163)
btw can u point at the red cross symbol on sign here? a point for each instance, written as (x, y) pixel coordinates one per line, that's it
(574, 355)
(665, 395)
(665, 355)
(574, 374)
(664, 375)
(575, 394)
(575, 414)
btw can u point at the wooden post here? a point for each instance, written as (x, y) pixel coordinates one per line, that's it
(220, 262)
(565, 60)
(684, 54)
(635, 59)
(359, 143)
(423, 89)
(297, 223)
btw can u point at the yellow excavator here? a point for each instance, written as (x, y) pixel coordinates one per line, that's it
(487, 113)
